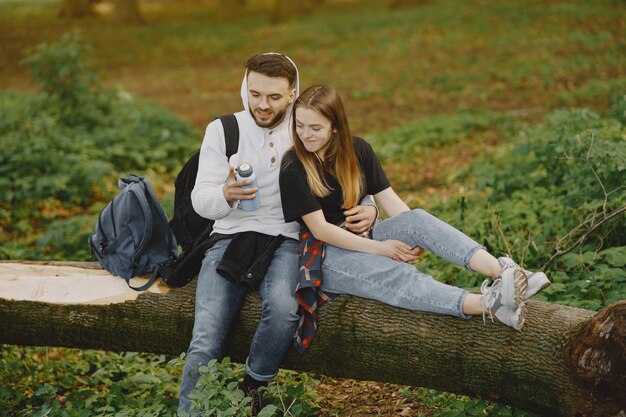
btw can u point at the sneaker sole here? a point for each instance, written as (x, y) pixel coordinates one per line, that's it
(522, 319)
(513, 297)
(520, 280)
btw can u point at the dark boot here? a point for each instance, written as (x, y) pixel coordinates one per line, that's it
(250, 387)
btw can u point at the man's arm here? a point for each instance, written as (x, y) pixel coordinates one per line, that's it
(207, 197)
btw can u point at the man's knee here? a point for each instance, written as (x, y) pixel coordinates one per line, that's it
(204, 344)
(279, 297)
(281, 311)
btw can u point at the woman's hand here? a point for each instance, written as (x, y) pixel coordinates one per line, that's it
(416, 252)
(398, 251)
(359, 219)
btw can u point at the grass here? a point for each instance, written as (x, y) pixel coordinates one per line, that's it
(391, 65)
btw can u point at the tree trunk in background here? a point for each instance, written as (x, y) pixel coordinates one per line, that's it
(73, 9)
(565, 362)
(127, 11)
(230, 9)
(283, 10)
(398, 4)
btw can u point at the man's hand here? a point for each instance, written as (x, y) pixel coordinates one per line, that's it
(233, 191)
(359, 219)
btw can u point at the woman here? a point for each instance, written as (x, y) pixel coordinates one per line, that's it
(328, 171)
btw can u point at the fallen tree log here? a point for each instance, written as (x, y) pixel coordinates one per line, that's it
(565, 362)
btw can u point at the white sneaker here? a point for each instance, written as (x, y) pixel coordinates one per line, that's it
(512, 318)
(514, 283)
(537, 281)
(504, 298)
(492, 303)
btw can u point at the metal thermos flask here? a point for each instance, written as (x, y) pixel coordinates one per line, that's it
(245, 172)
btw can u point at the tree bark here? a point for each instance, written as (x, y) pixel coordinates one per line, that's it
(230, 9)
(127, 11)
(399, 4)
(284, 10)
(73, 9)
(565, 362)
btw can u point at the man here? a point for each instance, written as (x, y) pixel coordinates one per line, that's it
(269, 87)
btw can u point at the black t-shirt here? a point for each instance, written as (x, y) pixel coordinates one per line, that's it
(298, 199)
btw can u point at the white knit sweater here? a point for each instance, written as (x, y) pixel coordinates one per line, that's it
(263, 149)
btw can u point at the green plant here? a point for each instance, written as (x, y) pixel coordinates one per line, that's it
(553, 198)
(415, 140)
(67, 80)
(67, 236)
(451, 405)
(217, 392)
(63, 147)
(292, 395)
(79, 383)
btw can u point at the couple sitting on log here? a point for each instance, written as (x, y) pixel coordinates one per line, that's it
(314, 234)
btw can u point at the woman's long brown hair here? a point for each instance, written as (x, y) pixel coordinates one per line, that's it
(340, 158)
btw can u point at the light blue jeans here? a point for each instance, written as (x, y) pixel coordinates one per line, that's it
(218, 302)
(397, 283)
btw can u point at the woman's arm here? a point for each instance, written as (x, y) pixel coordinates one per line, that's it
(336, 236)
(391, 202)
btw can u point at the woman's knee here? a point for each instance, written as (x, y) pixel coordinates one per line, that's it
(420, 215)
(407, 227)
(411, 218)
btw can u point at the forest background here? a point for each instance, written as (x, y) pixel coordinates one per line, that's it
(505, 119)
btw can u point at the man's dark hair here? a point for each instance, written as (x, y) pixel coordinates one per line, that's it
(272, 65)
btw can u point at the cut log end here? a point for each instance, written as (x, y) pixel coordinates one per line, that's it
(68, 283)
(597, 358)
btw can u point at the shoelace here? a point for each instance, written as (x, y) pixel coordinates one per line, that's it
(490, 295)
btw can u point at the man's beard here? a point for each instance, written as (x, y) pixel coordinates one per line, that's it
(270, 122)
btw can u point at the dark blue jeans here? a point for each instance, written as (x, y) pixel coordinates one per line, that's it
(218, 302)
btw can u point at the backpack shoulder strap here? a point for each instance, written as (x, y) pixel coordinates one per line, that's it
(231, 134)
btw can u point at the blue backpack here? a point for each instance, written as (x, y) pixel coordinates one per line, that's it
(132, 236)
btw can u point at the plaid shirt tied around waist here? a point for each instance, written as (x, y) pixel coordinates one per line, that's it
(308, 293)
